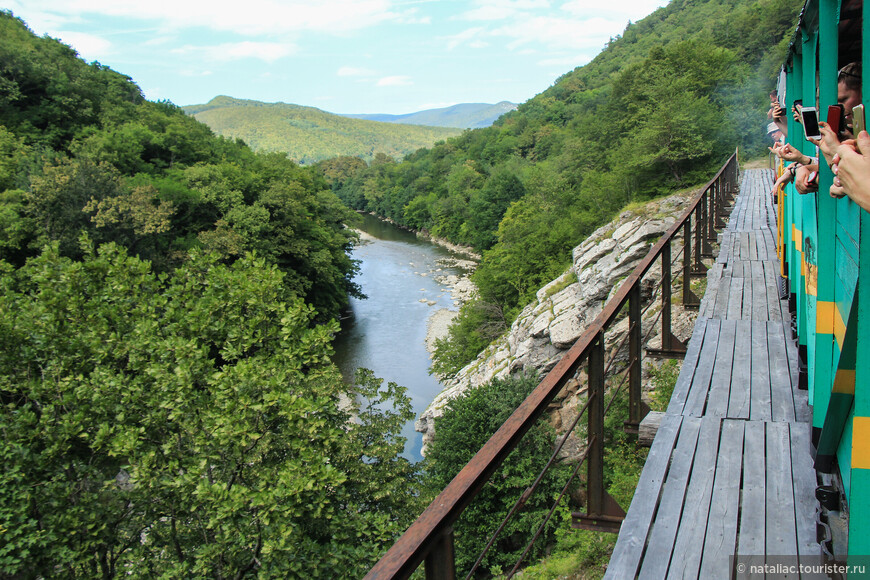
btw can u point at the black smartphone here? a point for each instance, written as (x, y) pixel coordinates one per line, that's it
(836, 118)
(810, 117)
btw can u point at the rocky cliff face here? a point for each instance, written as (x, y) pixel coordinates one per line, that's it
(564, 307)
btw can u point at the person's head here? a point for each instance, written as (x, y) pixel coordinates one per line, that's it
(849, 87)
(773, 131)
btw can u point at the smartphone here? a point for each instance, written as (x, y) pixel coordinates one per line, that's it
(810, 117)
(858, 119)
(835, 118)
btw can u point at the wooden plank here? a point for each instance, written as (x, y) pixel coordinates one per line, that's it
(664, 530)
(714, 279)
(686, 560)
(626, 557)
(722, 293)
(752, 246)
(760, 374)
(744, 247)
(738, 402)
(720, 542)
(771, 271)
(724, 255)
(697, 396)
(735, 302)
(720, 383)
(761, 239)
(781, 533)
(759, 292)
(804, 479)
(791, 350)
(752, 513)
(781, 398)
(747, 296)
(687, 371)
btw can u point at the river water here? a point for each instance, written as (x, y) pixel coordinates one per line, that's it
(386, 332)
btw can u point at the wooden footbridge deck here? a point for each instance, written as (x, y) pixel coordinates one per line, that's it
(730, 471)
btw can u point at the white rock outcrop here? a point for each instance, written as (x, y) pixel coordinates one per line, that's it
(564, 307)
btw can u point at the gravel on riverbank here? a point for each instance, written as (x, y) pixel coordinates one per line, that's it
(438, 325)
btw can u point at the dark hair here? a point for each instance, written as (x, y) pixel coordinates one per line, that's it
(850, 75)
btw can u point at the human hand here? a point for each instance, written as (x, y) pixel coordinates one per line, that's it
(806, 179)
(852, 162)
(796, 113)
(828, 143)
(789, 153)
(777, 112)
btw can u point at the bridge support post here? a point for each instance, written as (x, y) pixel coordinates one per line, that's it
(637, 409)
(689, 298)
(704, 226)
(719, 198)
(602, 512)
(440, 561)
(702, 248)
(671, 347)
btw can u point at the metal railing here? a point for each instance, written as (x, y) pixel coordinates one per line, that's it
(430, 538)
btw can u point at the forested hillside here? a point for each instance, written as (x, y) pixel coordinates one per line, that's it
(659, 109)
(167, 401)
(308, 135)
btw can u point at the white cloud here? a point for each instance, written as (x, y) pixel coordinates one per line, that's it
(571, 61)
(466, 37)
(253, 18)
(266, 51)
(501, 9)
(559, 33)
(622, 10)
(395, 81)
(350, 71)
(89, 46)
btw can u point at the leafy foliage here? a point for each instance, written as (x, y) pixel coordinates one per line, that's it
(81, 150)
(146, 437)
(468, 422)
(167, 401)
(308, 135)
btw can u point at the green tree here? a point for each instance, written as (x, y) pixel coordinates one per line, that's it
(468, 422)
(185, 425)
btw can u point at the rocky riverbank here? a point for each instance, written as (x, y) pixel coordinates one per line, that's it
(562, 309)
(461, 290)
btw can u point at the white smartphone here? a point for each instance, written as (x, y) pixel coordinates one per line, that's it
(810, 117)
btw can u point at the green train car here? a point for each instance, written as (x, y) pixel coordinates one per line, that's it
(824, 248)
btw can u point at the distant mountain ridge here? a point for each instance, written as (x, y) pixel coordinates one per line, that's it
(308, 134)
(463, 115)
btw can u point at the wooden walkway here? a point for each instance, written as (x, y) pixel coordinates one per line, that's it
(730, 471)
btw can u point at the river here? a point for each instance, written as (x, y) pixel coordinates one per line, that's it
(386, 332)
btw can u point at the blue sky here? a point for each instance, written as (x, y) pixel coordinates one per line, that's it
(342, 56)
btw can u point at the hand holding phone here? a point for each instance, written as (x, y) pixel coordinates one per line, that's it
(810, 118)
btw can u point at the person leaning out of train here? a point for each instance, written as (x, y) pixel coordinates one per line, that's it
(851, 167)
(848, 95)
(777, 114)
(803, 170)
